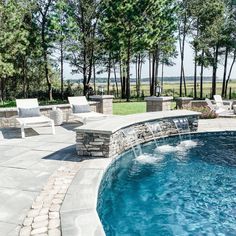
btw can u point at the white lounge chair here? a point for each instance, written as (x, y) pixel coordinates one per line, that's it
(29, 115)
(213, 107)
(227, 105)
(81, 110)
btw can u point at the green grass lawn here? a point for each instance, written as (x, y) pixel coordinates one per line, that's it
(126, 108)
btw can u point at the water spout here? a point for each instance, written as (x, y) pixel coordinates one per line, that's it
(153, 128)
(182, 126)
(131, 137)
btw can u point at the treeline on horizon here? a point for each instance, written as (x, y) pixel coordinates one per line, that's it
(38, 36)
(145, 80)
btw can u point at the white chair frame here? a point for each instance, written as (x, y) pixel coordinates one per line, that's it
(213, 107)
(85, 116)
(30, 122)
(222, 104)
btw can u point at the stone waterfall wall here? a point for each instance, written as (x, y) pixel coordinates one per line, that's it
(91, 144)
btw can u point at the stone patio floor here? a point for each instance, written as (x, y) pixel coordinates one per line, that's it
(28, 166)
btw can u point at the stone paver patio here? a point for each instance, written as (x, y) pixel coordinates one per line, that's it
(40, 167)
(25, 167)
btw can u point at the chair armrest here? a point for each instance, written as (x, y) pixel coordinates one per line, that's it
(228, 103)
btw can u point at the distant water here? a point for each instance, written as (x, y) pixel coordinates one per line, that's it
(186, 188)
(145, 80)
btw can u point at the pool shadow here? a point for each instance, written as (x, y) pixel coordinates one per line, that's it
(71, 126)
(13, 133)
(67, 154)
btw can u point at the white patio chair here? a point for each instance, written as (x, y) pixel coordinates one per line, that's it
(81, 110)
(213, 107)
(29, 115)
(227, 105)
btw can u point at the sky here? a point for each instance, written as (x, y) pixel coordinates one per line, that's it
(168, 71)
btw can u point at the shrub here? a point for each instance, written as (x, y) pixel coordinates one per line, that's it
(206, 113)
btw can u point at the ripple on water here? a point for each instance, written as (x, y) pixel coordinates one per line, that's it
(148, 159)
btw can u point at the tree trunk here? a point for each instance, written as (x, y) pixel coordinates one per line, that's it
(139, 75)
(150, 73)
(128, 71)
(156, 70)
(185, 86)
(91, 54)
(90, 69)
(1, 90)
(195, 75)
(84, 50)
(215, 70)
(225, 71)
(122, 80)
(85, 73)
(182, 48)
(229, 75)
(47, 75)
(153, 75)
(24, 77)
(45, 49)
(46, 70)
(162, 75)
(62, 69)
(94, 76)
(138, 69)
(136, 74)
(109, 74)
(115, 77)
(201, 75)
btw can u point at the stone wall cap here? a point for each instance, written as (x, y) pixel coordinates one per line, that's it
(154, 98)
(111, 124)
(67, 105)
(102, 97)
(6, 109)
(184, 98)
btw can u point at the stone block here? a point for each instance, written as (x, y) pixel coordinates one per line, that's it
(105, 103)
(184, 103)
(158, 103)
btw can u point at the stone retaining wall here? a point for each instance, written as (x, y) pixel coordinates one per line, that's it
(97, 144)
(198, 103)
(8, 115)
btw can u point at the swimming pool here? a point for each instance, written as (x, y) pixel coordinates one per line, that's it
(176, 188)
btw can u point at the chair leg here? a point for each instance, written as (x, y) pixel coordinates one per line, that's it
(53, 127)
(67, 117)
(15, 122)
(84, 121)
(22, 131)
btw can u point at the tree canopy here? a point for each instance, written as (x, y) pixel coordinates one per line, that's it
(38, 36)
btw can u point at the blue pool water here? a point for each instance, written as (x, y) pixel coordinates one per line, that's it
(182, 189)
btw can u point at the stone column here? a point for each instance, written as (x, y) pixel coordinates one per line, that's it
(184, 103)
(158, 103)
(105, 103)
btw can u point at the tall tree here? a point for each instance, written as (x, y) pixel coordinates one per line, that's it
(207, 32)
(82, 45)
(43, 18)
(137, 27)
(184, 24)
(13, 40)
(61, 26)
